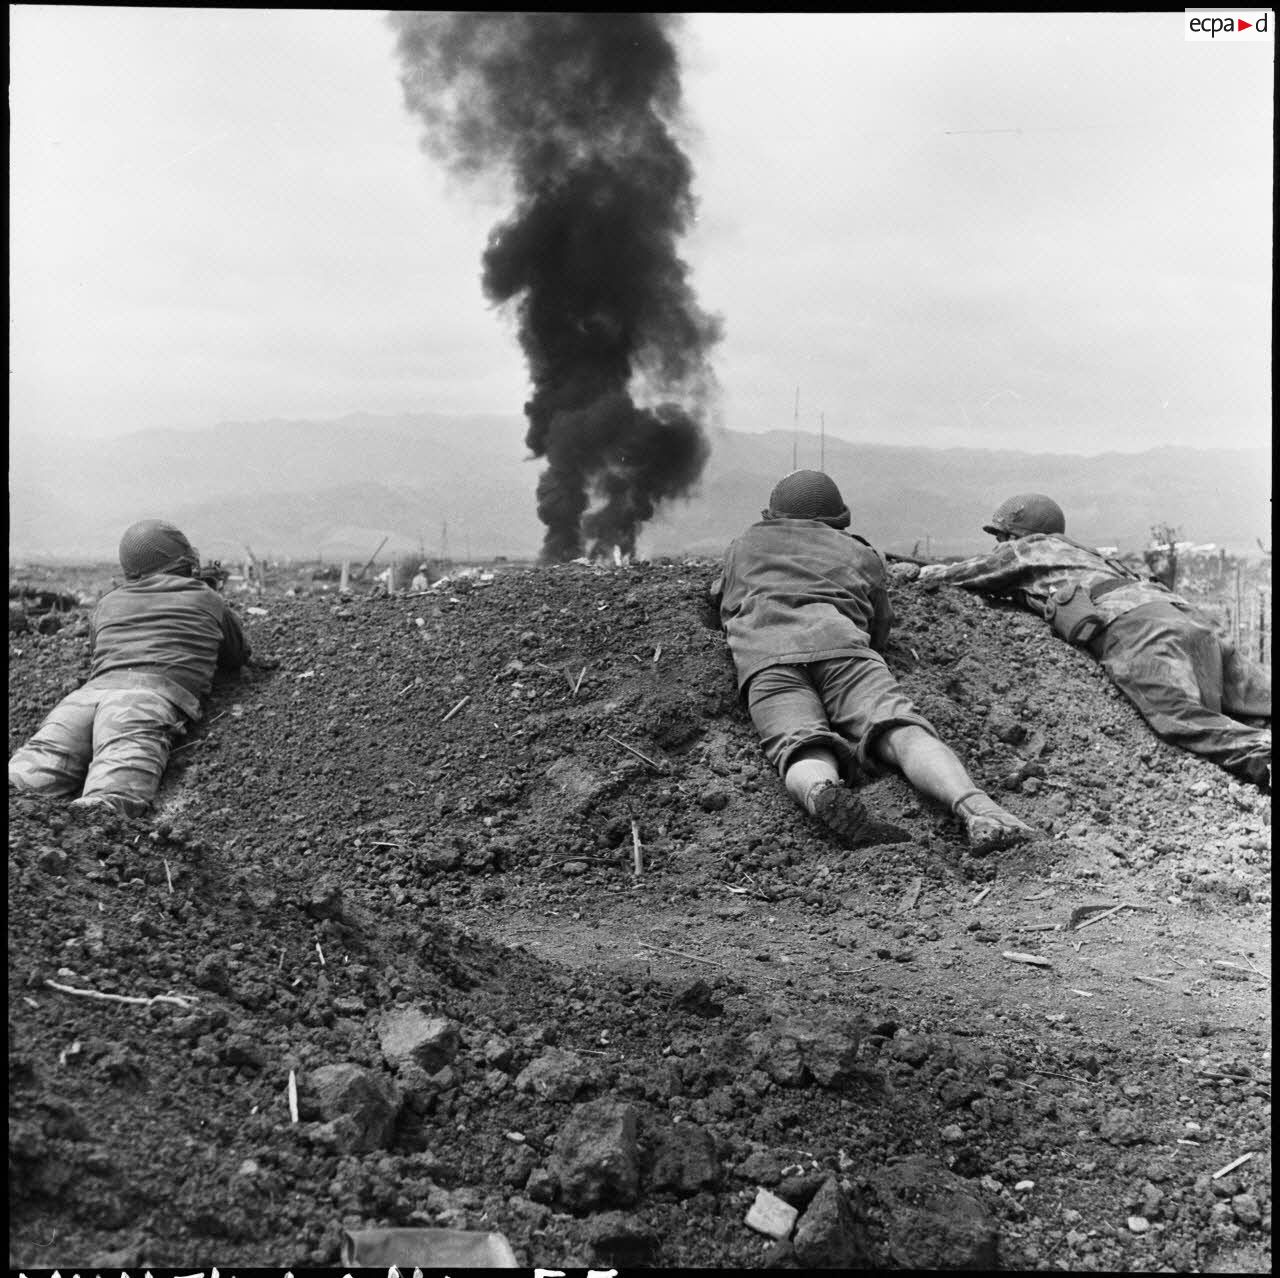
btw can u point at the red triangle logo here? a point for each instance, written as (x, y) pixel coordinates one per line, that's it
(1242, 25)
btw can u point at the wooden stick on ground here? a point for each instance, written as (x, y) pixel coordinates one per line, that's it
(637, 860)
(681, 954)
(455, 709)
(1222, 1171)
(181, 1000)
(1071, 1078)
(657, 767)
(581, 675)
(293, 1097)
(1097, 918)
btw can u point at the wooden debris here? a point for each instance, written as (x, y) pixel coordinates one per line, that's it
(1230, 1167)
(681, 954)
(637, 861)
(1034, 960)
(657, 767)
(1097, 918)
(581, 675)
(1151, 980)
(293, 1097)
(982, 896)
(1083, 993)
(455, 709)
(168, 874)
(320, 952)
(912, 896)
(181, 1000)
(1231, 1078)
(1077, 922)
(657, 652)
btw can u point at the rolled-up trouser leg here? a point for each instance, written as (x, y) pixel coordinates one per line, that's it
(1170, 665)
(791, 721)
(132, 734)
(56, 757)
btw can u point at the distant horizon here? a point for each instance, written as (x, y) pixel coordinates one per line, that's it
(711, 429)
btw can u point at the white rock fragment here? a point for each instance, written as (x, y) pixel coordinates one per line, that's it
(770, 1215)
(1024, 1186)
(1138, 1224)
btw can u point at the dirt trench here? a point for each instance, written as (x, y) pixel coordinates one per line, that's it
(497, 875)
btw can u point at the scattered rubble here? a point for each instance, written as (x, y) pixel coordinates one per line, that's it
(497, 922)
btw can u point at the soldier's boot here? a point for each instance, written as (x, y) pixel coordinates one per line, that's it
(987, 826)
(846, 816)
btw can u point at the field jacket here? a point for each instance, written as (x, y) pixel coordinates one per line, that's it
(796, 590)
(172, 631)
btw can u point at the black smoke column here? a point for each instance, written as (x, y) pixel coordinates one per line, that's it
(577, 108)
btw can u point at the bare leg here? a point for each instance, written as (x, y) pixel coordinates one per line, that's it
(809, 769)
(936, 772)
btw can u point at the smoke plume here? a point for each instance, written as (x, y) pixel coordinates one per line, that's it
(577, 108)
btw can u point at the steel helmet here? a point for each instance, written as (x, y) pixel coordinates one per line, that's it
(152, 545)
(1027, 513)
(809, 494)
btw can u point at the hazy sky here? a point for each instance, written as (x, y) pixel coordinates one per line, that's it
(1049, 232)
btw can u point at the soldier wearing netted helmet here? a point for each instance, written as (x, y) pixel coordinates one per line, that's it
(155, 644)
(805, 608)
(1193, 687)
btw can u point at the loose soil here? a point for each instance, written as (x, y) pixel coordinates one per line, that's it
(533, 809)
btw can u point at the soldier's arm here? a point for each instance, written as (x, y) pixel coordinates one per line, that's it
(235, 650)
(997, 573)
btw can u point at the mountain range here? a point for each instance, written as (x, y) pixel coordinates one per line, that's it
(462, 488)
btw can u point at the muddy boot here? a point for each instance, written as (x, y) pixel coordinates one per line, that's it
(987, 825)
(1258, 772)
(846, 816)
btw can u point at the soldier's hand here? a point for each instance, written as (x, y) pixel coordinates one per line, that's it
(904, 572)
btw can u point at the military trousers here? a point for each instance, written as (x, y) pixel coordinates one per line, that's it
(1192, 687)
(110, 745)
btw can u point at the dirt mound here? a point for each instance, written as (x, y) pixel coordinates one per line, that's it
(399, 872)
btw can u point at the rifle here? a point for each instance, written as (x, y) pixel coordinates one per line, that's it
(213, 574)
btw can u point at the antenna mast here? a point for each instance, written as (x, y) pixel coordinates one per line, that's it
(795, 433)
